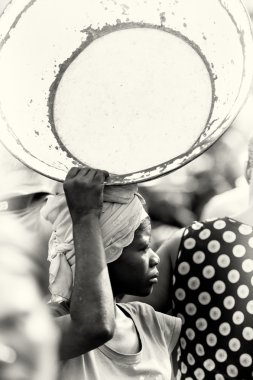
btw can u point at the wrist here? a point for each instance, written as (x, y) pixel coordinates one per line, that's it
(85, 218)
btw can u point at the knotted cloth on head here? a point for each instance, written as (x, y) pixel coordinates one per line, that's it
(122, 213)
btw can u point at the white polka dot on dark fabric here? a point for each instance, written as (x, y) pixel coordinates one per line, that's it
(190, 359)
(204, 234)
(201, 324)
(198, 257)
(211, 219)
(209, 364)
(183, 343)
(211, 340)
(215, 313)
(229, 302)
(247, 333)
(180, 294)
(245, 229)
(243, 291)
(221, 355)
(232, 370)
(199, 374)
(250, 242)
(213, 246)
(191, 309)
(184, 368)
(225, 329)
(208, 272)
(204, 298)
(233, 276)
(197, 226)
(189, 243)
(234, 344)
(247, 265)
(251, 280)
(238, 317)
(200, 350)
(223, 261)
(190, 333)
(183, 268)
(249, 307)
(219, 376)
(219, 287)
(193, 283)
(239, 250)
(245, 360)
(219, 224)
(229, 236)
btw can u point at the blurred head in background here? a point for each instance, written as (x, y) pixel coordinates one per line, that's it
(28, 337)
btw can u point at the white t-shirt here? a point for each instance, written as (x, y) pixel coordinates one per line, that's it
(158, 335)
(17, 179)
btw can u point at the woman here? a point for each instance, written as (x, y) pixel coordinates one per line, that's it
(139, 340)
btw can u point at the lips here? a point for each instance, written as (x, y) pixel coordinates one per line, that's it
(154, 277)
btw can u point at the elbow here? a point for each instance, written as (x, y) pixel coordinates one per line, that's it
(104, 330)
(96, 330)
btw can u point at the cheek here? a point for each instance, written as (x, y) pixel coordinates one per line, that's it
(140, 266)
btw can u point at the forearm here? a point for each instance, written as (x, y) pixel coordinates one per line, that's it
(92, 299)
(91, 320)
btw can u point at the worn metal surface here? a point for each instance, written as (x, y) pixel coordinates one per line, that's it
(42, 42)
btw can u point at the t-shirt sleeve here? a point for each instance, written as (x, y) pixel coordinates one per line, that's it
(171, 328)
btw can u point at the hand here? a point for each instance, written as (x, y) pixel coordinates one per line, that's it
(84, 192)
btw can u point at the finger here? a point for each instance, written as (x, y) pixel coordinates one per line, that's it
(87, 174)
(84, 172)
(72, 173)
(90, 174)
(100, 176)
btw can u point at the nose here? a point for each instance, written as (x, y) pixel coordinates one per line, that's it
(154, 259)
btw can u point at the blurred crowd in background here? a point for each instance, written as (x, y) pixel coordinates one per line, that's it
(212, 185)
(194, 191)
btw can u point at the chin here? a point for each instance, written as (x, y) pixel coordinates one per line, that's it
(145, 292)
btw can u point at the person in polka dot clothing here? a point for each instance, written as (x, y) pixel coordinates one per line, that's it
(206, 279)
(212, 286)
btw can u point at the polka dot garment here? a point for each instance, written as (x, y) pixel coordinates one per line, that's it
(213, 295)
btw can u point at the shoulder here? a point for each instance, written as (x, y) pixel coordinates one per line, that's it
(165, 328)
(196, 228)
(138, 308)
(145, 313)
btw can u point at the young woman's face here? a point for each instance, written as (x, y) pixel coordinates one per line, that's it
(135, 272)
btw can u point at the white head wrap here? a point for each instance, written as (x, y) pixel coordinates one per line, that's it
(121, 215)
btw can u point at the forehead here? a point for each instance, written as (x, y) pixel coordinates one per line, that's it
(143, 232)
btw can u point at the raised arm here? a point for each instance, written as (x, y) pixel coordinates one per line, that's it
(161, 296)
(91, 319)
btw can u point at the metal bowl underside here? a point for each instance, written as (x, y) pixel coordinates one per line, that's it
(137, 88)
